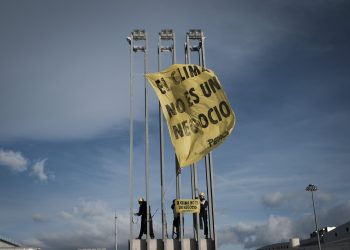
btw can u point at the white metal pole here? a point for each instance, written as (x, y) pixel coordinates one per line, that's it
(146, 144)
(213, 198)
(318, 235)
(193, 167)
(131, 142)
(161, 147)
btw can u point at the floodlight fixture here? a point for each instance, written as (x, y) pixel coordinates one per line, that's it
(166, 48)
(311, 188)
(139, 34)
(195, 48)
(166, 34)
(138, 48)
(195, 34)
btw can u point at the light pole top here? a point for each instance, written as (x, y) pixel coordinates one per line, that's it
(166, 34)
(195, 34)
(139, 34)
(311, 188)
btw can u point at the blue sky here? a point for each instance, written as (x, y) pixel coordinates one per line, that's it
(64, 131)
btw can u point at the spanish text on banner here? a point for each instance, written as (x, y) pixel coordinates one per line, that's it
(187, 206)
(196, 109)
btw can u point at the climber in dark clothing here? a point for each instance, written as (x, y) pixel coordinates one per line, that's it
(203, 214)
(143, 213)
(176, 221)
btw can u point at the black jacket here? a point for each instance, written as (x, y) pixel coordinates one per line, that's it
(143, 210)
(204, 208)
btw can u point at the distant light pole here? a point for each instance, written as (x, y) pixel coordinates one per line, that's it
(312, 188)
(115, 224)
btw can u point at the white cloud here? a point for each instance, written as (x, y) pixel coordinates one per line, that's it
(87, 208)
(66, 216)
(280, 228)
(15, 161)
(89, 224)
(323, 197)
(277, 228)
(38, 170)
(336, 215)
(272, 199)
(39, 218)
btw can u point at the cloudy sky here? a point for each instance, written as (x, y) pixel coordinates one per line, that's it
(64, 131)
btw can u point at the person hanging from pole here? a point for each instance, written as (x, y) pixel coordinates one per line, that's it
(176, 221)
(143, 213)
(203, 214)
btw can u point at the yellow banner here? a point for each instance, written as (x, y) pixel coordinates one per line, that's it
(196, 109)
(187, 206)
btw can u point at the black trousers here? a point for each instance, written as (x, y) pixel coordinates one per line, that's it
(143, 228)
(176, 225)
(203, 219)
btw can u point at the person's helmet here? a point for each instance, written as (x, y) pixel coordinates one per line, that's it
(201, 194)
(140, 199)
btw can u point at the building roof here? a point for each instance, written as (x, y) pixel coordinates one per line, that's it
(8, 242)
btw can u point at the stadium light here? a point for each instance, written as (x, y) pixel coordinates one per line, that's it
(139, 34)
(195, 34)
(312, 188)
(166, 34)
